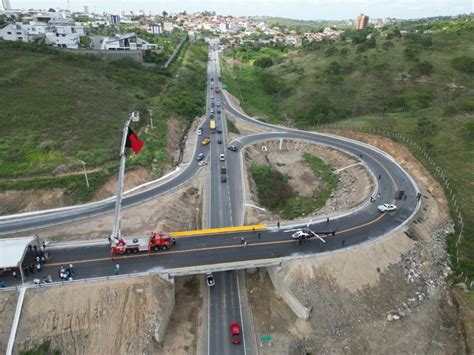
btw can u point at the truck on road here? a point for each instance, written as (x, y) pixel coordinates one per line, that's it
(156, 242)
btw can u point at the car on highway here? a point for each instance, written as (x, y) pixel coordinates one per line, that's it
(235, 333)
(205, 141)
(222, 157)
(232, 148)
(223, 170)
(223, 178)
(199, 131)
(218, 111)
(386, 207)
(212, 104)
(219, 141)
(212, 97)
(200, 157)
(219, 130)
(210, 279)
(202, 163)
(212, 110)
(218, 104)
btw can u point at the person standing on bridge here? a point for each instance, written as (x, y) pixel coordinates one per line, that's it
(259, 236)
(117, 269)
(242, 240)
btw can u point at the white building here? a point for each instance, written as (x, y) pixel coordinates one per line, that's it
(126, 42)
(156, 29)
(65, 34)
(167, 26)
(21, 32)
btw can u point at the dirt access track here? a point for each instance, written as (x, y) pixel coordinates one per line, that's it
(389, 296)
(355, 182)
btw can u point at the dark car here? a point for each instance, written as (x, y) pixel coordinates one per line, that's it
(219, 130)
(399, 194)
(200, 157)
(232, 147)
(218, 111)
(235, 333)
(223, 170)
(219, 141)
(223, 178)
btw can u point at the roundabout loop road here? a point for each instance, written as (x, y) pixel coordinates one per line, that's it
(360, 226)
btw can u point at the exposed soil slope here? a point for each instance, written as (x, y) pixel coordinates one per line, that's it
(125, 316)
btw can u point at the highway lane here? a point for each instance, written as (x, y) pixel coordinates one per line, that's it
(224, 298)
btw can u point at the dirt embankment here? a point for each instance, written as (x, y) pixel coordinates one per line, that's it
(389, 296)
(355, 185)
(182, 333)
(126, 316)
(8, 302)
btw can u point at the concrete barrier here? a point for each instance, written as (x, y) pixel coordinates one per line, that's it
(300, 310)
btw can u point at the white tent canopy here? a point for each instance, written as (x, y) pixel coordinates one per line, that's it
(12, 251)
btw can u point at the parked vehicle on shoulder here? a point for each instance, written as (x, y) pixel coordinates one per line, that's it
(199, 132)
(232, 148)
(200, 157)
(386, 207)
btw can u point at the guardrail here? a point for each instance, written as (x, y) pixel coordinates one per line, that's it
(439, 172)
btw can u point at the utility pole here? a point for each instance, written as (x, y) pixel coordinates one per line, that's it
(151, 117)
(85, 172)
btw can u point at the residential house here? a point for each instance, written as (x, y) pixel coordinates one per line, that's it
(65, 34)
(126, 42)
(22, 32)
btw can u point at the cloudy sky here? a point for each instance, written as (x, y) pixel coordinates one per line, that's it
(297, 9)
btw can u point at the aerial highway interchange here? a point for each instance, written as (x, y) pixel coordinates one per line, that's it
(225, 207)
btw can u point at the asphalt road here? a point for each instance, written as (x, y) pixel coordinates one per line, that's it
(224, 298)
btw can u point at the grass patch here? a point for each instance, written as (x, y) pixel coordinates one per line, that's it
(76, 107)
(276, 194)
(231, 127)
(42, 349)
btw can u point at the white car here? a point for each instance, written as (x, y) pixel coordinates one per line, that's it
(210, 279)
(199, 131)
(222, 157)
(387, 207)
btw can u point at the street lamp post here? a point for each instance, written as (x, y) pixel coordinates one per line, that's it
(85, 172)
(151, 117)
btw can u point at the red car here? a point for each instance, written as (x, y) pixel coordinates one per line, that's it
(235, 333)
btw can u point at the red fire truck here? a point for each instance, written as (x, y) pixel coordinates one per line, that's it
(156, 242)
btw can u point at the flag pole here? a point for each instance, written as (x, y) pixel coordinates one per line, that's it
(118, 202)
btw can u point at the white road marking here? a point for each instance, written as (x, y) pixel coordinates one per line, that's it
(258, 208)
(347, 167)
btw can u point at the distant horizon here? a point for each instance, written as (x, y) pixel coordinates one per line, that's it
(304, 10)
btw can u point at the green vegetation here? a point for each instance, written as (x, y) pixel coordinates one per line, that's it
(231, 127)
(275, 193)
(42, 349)
(64, 107)
(420, 85)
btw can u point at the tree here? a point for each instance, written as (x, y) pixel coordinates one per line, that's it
(51, 10)
(85, 41)
(422, 68)
(164, 13)
(263, 62)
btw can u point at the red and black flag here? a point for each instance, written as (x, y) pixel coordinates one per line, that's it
(133, 141)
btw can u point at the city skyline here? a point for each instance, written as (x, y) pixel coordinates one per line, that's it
(296, 9)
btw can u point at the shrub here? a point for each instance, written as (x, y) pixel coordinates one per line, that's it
(422, 68)
(263, 62)
(464, 64)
